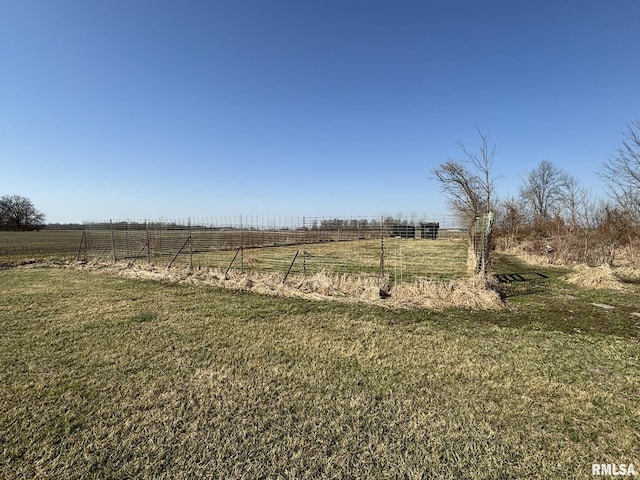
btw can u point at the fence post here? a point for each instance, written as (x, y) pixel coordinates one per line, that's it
(229, 267)
(241, 246)
(136, 257)
(381, 246)
(82, 239)
(179, 251)
(146, 226)
(126, 237)
(113, 243)
(304, 245)
(190, 247)
(290, 267)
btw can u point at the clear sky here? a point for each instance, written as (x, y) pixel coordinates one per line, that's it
(134, 109)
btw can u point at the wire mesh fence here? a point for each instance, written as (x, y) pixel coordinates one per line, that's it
(434, 248)
(481, 241)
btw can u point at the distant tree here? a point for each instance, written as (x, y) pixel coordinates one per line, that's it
(544, 190)
(469, 183)
(621, 171)
(18, 213)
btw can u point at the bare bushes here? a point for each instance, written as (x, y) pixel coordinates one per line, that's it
(628, 260)
(599, 256)
(613, 239)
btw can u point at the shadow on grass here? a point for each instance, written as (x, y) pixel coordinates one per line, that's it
(556, 305)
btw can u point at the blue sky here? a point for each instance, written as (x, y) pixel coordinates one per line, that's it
(134, 109)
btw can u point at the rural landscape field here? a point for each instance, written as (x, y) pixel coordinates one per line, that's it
(108, 376)
(319, 240)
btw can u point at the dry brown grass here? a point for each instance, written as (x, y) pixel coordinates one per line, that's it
(470, 292)
(527, 252)
(628, 260)
(569, 250)
(602, 277)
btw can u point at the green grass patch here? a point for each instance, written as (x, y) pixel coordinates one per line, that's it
(560, 306)
(107, 377)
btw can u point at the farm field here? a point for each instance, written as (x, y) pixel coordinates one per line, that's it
(32, 245)
(112, 377)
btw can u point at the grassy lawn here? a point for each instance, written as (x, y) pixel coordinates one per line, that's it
(107, 377)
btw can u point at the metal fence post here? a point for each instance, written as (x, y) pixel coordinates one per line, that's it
(241, 246)
(304, 245)
(113, 243)
(146, 227)
(190, 247)
(381, 246)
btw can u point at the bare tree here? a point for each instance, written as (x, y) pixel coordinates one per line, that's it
(18, 213)
(579, 205)
(461, 187)
(544, 189)
(482, 162)
(621, 171)
(469, 183)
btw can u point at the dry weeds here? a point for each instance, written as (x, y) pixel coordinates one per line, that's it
(524, 251)
(602, 277)
(471, 292)
(628, 260)
(565, 252)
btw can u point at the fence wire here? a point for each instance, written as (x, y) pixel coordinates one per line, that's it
(481, 240)
(403, 250)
